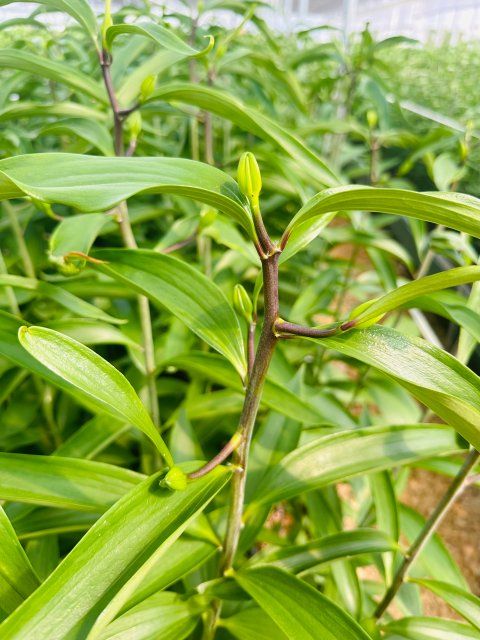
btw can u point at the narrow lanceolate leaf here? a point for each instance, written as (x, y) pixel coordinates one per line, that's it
(63, 482)
(93, 183)
(300, 611)
(53, 70)
(457, 211)
(78, 9)
(344, 455)
(94, 378)
(17, 577)
(408, 292)
(61, 296)
(230, 108)
(185, 292)
(69, 601)
(419, 628)
(165, 38)
(433, 376)
(344, 544)
(464, 602)
(163, 615)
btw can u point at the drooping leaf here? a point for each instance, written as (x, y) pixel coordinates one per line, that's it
(93, 183)
(300, 611)
(69, 601)
(63, 482)
(162, 36)
(185, 292)
(53, 70)
(95, 378)
(323, 461)
(456, 211)
(17, 577)
(430, 374)
(224, 105)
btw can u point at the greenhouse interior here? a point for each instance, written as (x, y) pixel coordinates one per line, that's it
(239, 320)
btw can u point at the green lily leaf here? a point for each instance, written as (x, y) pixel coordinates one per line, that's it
(300, 611)
(404, 294)
(184, 291)
(63, 482)
(95, 378)
(119, 544)
(464, 602)
(323, 461)
(456, 211)
(93, 183)
(17, 577)
(433, 376)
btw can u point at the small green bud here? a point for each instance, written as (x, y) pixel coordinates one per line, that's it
(249, 177)
(134, 124)
(67, 267)
(147, 87)
(242, 303)
(463, 150)
(372, 118)
(107, 22)
(176, 480)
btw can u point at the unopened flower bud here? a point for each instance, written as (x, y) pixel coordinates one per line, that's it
(176, 480)
(107, 22)
(249, 178)
(134, 124)
(147, 88)
(242, 303)
(372, 118)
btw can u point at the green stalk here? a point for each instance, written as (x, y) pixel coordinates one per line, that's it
(129, 241)
(27, 263)
(431, 525)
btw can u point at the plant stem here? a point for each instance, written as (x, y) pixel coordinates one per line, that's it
(292, 329)
(251, 344)
(265, 350)
(451, 494)
(27, 263)
(9, 292)
(130, 242)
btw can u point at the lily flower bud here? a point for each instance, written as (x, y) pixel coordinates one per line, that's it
(249, 178)
(242, 303)
(176, 480)
(372, 118)
(134, 124)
